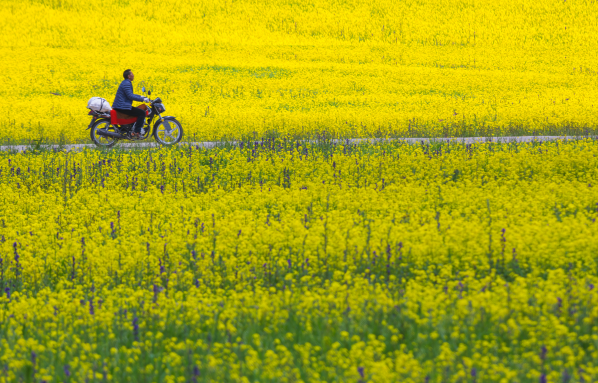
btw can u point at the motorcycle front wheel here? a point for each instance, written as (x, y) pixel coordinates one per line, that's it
(103, 141)
(168, 132)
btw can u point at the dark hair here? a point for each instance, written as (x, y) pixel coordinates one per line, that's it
(126, 73)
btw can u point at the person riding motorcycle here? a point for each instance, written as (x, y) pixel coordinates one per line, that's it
(123, 102)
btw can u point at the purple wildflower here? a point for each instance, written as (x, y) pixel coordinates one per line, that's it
(156, 291)
(195, 374)
(67, 370)
(543, 352)
(361, 372)
(566, 377)
(136, 328)
(73, 270)
(560, 303)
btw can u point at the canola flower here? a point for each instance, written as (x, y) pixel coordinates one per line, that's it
(298, 69)
(289, 261)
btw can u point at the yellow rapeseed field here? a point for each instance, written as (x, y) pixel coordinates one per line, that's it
(283, 258)
(231, 69)
(275, 261)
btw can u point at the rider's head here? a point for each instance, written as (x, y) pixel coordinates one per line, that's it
(128, 75)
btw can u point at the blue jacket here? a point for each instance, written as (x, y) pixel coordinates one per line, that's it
(125, 96)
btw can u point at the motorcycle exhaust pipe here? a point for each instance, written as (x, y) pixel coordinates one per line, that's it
(106, 133)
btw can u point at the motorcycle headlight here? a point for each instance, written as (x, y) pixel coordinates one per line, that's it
(160, 108)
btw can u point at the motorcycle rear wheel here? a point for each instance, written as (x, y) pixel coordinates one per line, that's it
(103, 141)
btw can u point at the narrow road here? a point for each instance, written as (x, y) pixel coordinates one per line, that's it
(213, 144)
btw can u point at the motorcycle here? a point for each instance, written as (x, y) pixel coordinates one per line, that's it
(109, 128)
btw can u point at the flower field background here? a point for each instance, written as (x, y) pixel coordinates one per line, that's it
(230, 69)
(279, 262)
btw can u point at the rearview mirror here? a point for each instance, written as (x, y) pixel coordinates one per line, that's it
(143, 89)
(149, 92)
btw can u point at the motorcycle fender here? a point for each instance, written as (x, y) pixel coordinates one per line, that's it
(160, 120)
(95, 121)
(166, 118)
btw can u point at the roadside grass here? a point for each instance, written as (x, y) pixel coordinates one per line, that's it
(415, 130)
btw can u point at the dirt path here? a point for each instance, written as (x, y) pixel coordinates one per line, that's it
(213, 144)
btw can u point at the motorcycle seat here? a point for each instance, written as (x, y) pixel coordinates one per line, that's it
(117, 118)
